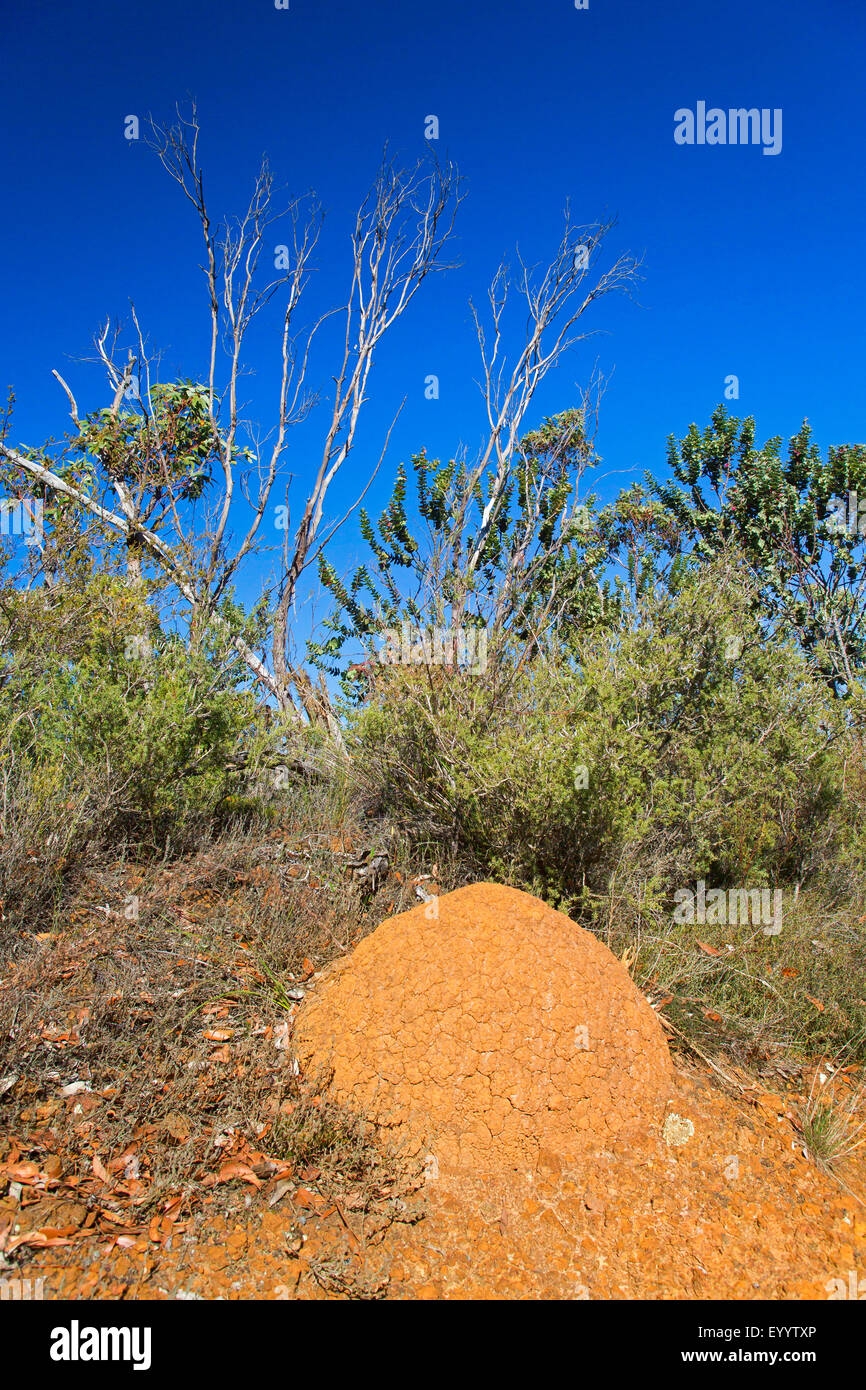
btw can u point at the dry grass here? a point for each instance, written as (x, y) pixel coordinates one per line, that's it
(163, 994)
(833, 1122)
(731, 988)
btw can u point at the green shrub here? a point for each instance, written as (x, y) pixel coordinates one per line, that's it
(110, 729)
(683, 739)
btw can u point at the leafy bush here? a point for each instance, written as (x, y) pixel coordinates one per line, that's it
(682, 738)
(795, 518)
(110, 727)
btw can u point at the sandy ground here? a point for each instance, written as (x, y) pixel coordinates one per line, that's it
(719, 1204)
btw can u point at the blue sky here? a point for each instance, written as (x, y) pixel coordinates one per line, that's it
(753, 264)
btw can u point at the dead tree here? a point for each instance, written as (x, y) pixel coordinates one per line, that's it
(399, 238)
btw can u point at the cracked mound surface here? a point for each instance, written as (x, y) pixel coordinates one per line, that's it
(489, 1035)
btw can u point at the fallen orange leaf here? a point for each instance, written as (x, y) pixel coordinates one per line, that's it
(117, 1164)
(710, 950)
(229, 1171)
(48, 1236)
(118, 1220)
(99, 1169)
(21, 1172)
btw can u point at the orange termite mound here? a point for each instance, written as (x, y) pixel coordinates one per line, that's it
(488, 1034)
